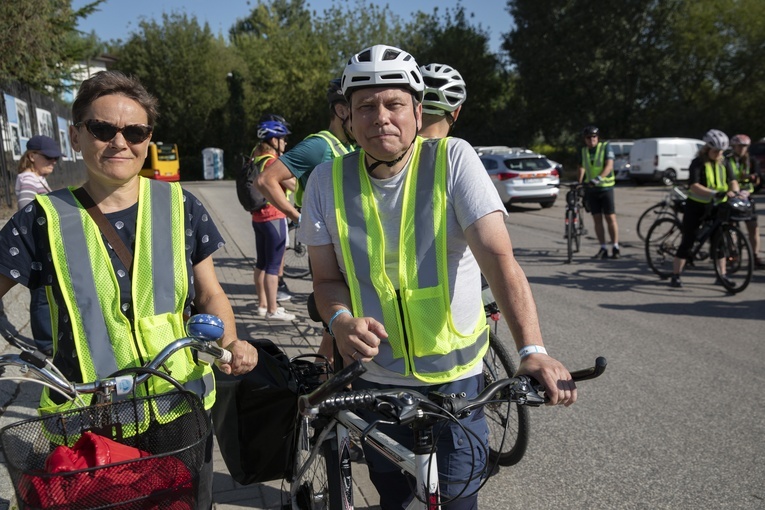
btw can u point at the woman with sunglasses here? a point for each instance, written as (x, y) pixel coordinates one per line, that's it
(35, 165)
(125, 257)
(709, 180)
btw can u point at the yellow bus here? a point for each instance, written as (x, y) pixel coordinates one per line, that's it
(162, 162)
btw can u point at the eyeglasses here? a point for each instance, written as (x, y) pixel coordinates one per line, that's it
(105, 132)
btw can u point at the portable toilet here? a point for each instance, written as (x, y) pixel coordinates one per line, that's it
(212, 158)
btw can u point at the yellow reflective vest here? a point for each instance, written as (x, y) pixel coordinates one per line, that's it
(338, 149)
(593, 166)
(422, 340)
(717, 179)
(105, 340)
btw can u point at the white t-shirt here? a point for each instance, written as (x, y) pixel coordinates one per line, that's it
(470, 196)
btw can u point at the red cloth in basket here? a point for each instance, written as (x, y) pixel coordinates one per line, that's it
(123, 482)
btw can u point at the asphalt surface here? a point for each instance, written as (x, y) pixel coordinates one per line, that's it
(676, 422)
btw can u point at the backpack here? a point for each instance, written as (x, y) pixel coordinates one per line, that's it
(248, 194)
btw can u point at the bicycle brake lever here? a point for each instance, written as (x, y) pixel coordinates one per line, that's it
(35, 358)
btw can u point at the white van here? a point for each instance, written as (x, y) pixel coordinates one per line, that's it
(663, 159)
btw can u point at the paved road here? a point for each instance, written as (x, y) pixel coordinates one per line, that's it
(678, 419)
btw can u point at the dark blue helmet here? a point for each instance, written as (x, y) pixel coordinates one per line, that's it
(272, 129)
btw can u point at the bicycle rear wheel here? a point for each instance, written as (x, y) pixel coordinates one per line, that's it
(733, 259)
(295, 256)
(661, 245)
(508, 423)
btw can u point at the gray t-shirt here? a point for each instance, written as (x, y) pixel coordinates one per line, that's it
(470, 196)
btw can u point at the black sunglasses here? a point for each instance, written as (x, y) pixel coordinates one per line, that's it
(105, 132)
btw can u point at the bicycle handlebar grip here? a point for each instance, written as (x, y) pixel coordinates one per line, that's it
(225, 356)
(592, 372)
(336, 383)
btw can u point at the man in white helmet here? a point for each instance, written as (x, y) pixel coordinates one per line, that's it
(402, 230)
(445, 92)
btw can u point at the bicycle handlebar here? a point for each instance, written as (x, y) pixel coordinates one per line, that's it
(203, 329)
(404, 405)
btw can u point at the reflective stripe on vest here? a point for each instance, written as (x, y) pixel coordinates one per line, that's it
(741, 174)
(716, 180)
(422, 340)
(104, 338)
(593, 167)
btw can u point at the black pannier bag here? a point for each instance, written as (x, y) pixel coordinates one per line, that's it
(255, 415)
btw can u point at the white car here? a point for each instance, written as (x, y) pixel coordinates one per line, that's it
(521, 175)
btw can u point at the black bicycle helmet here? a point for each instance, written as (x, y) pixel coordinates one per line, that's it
(272, 117)
(740, 208)
(590, 130)
(335, 92)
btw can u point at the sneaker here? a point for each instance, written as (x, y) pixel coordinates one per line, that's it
(616, 253)
(675, 282)
(759, 263)
(723, 278)
(262, 312)
(602, 254)
(280, 315)
(283, 295)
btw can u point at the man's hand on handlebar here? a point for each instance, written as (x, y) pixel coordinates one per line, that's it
(244, 358)
(550, 373)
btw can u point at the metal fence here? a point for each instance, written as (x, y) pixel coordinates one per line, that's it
(24, 113)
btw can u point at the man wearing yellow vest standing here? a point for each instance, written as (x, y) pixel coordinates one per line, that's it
(597, 169)
(398, 234)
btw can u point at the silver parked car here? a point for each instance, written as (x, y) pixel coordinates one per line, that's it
(521, 175)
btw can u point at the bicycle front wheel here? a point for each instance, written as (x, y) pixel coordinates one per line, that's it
(570, 235)
(661, 245)
(295, 257)
(508, 422)
(650, 216)
(312, 491)
(579, 231)
(733, 259)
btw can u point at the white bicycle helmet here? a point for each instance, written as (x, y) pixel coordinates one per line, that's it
(382, 65)
(444, 89)
(716, 139)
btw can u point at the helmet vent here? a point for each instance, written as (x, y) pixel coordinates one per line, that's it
(390, 55)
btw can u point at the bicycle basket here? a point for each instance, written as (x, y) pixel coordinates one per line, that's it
(87, 458)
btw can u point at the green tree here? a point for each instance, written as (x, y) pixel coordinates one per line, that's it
(39, 42)
(286, 65)
(186, 68)
(451, 39)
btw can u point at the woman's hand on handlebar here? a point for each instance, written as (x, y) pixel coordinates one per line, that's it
(244, 358)
(550, 373)
(358, 338)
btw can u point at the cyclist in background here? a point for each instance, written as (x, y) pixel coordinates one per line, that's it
(597, 169)
(747, 173)
(445, 91)
(709, 178)
(270, 224)
(415, 313)
(300, 162)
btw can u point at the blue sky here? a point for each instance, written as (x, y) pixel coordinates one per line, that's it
(118, 18)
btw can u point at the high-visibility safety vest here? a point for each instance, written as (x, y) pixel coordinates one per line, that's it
(105, 340)
(716, 180)
(593, 166)
(335, 145)
(422, 340)
(741, 173)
